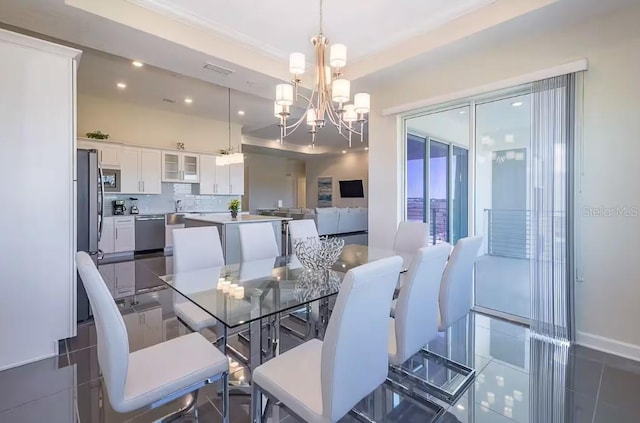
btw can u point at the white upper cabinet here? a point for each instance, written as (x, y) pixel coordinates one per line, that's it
(130, 170)
(236, 178)
(207, 174)
(109, 153)
(151, 171)
(222, 177)
(141, 171)
(180, 167)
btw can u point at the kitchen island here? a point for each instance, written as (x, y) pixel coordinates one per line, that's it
(229, 233)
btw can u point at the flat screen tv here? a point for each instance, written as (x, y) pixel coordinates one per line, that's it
(351, 189)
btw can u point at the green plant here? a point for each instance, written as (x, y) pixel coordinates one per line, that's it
(97, 135)
(234, 205)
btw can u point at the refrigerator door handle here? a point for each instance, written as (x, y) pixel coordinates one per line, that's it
(101, 201)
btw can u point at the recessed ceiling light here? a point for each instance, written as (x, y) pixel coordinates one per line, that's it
(137, 64)
(344, 151)
(517, 104)
(240, 112)
(121, 85)
(366, 148)
(462, 112)
(188, 100)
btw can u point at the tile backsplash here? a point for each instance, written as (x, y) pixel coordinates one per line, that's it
(190, 200)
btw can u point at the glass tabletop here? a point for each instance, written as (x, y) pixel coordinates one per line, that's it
(259, 289)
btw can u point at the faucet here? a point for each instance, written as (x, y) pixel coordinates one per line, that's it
(178, 206)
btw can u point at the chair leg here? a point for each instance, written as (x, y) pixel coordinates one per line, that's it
(256, 405)
(225, 398)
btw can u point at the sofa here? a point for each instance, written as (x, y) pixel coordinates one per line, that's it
(331, 220)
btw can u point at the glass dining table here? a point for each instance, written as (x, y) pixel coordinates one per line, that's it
(268, 290)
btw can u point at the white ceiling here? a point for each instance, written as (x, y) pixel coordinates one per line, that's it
(148, 86)
(279, 27)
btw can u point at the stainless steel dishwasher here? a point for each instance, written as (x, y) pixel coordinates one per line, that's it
(150, 232)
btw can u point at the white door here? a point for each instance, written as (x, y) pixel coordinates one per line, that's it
(130, 171)
(125, 235)
(236, 178)
(222, 178)
(150, 171)
(207, 174)
(190, 167)
(171, 171)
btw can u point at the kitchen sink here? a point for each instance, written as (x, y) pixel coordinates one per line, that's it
(175, 218)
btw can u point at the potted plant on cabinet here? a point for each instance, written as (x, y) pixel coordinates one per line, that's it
(234, 206)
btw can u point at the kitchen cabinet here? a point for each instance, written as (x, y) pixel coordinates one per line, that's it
(109, 153)
(125, 234)
(222, 177)
(118, 234)
(106, 244)
(151, 171)
(236, 178)
(207, 174)
(180, 167)
(141, 171)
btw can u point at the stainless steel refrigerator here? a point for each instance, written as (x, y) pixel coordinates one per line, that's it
(90, 200)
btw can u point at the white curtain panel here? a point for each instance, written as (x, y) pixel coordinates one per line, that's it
(552, 217)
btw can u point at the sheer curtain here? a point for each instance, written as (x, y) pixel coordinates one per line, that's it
(552, 210)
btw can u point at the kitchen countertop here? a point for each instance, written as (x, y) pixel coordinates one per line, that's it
(242, 218)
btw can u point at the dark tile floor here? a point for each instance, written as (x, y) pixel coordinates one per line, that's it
(515, 380)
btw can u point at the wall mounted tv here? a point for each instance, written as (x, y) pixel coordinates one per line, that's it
(351, 189)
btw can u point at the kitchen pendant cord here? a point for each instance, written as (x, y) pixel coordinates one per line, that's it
(229, 116)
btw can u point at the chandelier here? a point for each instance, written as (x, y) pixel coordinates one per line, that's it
(330, 97)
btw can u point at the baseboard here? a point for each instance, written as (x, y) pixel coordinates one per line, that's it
(608, 345)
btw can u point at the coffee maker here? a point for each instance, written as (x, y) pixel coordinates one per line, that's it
(118, 207)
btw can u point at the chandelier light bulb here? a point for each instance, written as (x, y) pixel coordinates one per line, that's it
(362, 102)
(296, 63)
(338, 55)
(340, 90)
(284, 94)
(350, 114)
(312, 117)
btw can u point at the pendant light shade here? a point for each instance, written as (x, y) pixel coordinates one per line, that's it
(350, 114)
(312, 117)
(338, 55)
(296, 63)
(284, 94)
(340, 90)
(362, 101)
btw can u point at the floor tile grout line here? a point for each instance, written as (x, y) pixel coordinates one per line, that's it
(595, 408)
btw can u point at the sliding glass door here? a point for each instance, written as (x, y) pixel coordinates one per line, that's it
(502, 210)
(437, 173)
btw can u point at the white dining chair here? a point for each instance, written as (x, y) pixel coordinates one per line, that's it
(411, 236)
(302, 229)
(416, 314)
(153, 376)
(258, 242)
(456, 288)
(333, 375)
(195, 249)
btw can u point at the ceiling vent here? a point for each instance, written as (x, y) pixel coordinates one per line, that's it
(220, 70)
(168, 100)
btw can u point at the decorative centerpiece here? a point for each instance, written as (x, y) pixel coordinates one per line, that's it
(318, 253)
(316, 283)
(234, 206)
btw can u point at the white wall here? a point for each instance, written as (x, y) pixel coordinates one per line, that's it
(134, 124)
(341, 167)
(608, 301)
(269, 179)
